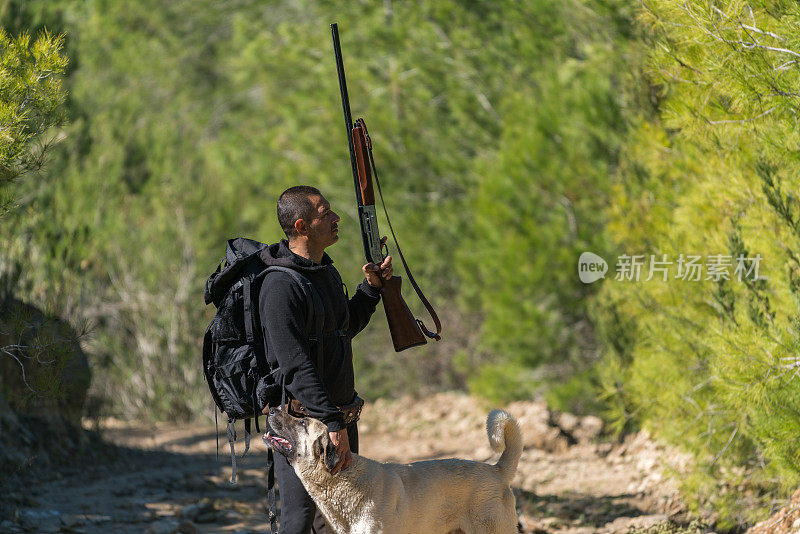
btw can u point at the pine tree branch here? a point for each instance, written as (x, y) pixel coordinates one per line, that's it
(725, 448)
(21, 366)
(754, 29)
(751, 45)
(20, 348)
(786, 65)
(743, 121)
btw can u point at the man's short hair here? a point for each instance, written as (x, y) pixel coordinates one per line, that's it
(293, 204)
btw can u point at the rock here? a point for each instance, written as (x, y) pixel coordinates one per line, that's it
(72, 521)
(10, 527)
(198, 509)
(34, 520)
(539, 427)
(165, 526)
(40, 430)
(625, 524)
(59, 362)
(187, 527)
(784, 521)
(567, 422)
(589, 428)
(207, 517)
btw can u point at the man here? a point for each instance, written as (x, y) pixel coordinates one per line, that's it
(310, 227)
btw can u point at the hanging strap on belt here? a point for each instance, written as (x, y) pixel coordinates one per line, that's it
(273, 507)
(271, 499)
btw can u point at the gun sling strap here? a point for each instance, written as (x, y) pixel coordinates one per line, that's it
(434, 335)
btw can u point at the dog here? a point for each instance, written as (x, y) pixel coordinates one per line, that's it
(450, 496)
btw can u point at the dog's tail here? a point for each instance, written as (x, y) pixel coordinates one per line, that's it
(505, 437)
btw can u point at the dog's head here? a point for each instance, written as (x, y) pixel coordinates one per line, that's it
(304, 442)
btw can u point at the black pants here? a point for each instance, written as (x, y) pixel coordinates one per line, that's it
(299, 514)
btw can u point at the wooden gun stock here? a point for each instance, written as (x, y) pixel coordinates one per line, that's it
(402, 324)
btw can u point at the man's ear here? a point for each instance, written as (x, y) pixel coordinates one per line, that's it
(300, 227)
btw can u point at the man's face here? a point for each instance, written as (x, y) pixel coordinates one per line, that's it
(322, 224)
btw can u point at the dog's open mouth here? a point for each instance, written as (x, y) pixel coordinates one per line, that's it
(277, 442)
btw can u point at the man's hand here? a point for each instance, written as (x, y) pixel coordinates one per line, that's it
(342, 444)
(376, 274)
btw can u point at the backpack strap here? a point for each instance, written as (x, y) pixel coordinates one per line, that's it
(346, 324)
(208, 356)
(247, 304)
(314, 312)
(315, 335)
(231, 431)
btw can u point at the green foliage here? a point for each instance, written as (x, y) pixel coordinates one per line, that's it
(31, 98)
(36, 351)
(504, 382)
(43, 368)
(577, 394)
(510, 137)
(188, 120)
(712, 365)
(542, 201)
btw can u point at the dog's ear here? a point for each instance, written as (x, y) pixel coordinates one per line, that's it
(331, 456)
(318, 449)
(325, 451)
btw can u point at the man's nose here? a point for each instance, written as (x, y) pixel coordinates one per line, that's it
(336, 217)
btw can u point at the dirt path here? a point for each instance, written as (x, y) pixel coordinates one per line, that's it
(168, 479)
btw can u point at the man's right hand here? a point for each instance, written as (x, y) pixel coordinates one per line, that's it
(341, 441)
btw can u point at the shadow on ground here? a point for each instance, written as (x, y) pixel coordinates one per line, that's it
(133, 490)
(575, 508)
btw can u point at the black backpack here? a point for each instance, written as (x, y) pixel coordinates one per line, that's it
(242, 378)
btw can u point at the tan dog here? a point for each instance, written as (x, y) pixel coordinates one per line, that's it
(432, 497)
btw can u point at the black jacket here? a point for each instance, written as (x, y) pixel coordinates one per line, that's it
(282, 311)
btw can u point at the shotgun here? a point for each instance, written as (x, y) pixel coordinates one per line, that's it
(406, 330)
